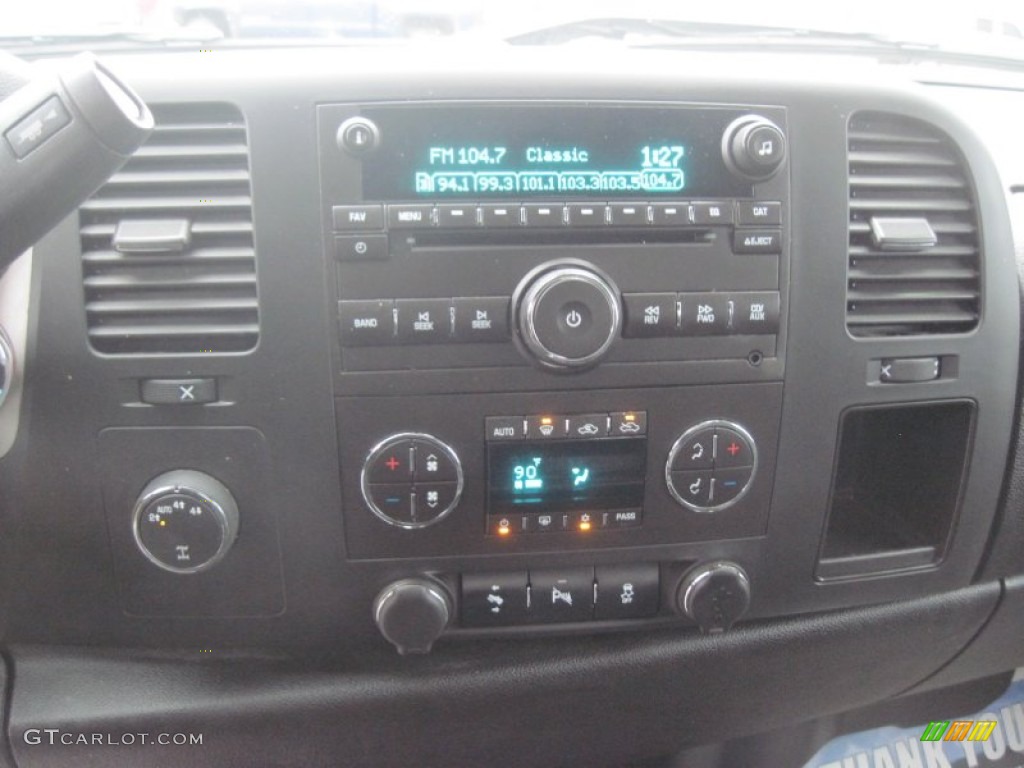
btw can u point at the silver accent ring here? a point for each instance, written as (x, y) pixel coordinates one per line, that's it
(710, 424)
(383, 445)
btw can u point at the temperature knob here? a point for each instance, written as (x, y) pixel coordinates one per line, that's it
(754, 147)
(185, 521)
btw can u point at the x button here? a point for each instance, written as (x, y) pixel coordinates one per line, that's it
(178, 391)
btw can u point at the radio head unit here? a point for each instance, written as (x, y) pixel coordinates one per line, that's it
(520, 239)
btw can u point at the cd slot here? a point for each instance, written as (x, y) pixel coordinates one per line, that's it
(520, 237)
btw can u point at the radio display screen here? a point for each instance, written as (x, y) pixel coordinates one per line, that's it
(511, 152)
(566, 475)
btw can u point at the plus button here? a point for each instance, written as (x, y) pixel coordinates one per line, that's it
(392, 463)
(733, 449)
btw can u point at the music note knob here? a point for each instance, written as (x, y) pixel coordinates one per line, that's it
(754, 147)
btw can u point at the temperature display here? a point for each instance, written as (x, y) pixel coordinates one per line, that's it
(566, 475)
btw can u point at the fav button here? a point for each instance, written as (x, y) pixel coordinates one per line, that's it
(348, 217)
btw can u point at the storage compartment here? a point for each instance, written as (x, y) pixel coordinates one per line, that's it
(896, 487)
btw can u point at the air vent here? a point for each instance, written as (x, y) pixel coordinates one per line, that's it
(914, 259)
(167, 244)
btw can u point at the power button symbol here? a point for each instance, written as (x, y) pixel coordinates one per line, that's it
(573, 319)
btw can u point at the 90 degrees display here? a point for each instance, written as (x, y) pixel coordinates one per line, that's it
(564, 151)
(561, 476)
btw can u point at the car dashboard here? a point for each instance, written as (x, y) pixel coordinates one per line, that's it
(640, 401)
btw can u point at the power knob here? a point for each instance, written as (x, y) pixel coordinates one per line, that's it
(568, 313)
(753, 147)
(412, 614)
(715, 595)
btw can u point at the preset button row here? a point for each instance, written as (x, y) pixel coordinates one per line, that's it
(680, 213)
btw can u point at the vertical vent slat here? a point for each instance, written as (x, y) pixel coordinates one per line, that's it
(203, 298)
(902, 167)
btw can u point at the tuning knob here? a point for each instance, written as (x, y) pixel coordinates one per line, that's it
(754, 147)
(412, 614)
(568, 314)
(185, 521)
(715, 595)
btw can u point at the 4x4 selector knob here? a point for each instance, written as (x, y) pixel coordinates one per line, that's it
(185, 521)
(568, 313)
(754, 147)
